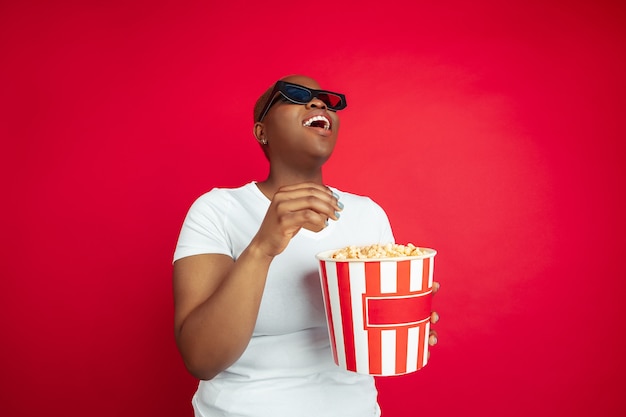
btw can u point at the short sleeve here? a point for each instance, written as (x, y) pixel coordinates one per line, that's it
(204, 230)
(386, 233)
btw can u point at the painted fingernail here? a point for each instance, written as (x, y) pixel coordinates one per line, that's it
(340, 205)
(335, 195)
(337, 215)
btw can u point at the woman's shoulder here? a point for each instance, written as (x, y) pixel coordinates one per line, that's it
(346, 196)
(227, 193)
(222, 199)
(359, 204)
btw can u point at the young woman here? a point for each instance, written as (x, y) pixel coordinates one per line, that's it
(249, 314)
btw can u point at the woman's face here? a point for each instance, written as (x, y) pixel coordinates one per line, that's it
(299, 132)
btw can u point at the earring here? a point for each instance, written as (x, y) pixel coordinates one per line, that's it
(264, 141)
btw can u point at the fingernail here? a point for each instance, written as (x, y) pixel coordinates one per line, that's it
(337, 215)
(335, 195)
(326, 222)
(340, 205)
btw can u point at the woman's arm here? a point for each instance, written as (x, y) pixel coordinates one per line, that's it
(216, 305)
(217, 299)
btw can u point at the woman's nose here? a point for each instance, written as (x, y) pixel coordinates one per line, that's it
(316, 103)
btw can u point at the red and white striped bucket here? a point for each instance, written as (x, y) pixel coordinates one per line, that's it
(378, 311)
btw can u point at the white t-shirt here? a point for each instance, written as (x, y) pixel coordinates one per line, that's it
(287, 370)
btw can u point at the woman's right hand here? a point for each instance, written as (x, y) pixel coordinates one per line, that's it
(293, 207)
(217, 299)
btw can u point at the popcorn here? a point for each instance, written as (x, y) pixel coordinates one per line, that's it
(377, 251)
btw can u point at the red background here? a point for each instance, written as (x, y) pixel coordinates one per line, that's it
(492, 131)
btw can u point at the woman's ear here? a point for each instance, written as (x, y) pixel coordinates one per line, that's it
(259, 133)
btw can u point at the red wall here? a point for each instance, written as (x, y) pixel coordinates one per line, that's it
(492, 131)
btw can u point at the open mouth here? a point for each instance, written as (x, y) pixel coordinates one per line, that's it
(317, 121)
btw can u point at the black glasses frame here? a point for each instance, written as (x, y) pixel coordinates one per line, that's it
(281, 87)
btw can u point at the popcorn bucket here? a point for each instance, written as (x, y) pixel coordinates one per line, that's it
(378, 311)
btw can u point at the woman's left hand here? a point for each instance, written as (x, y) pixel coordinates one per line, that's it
(434, 318)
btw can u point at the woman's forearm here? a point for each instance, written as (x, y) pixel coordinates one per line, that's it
(216, 332)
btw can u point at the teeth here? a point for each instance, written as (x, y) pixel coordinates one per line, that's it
(309, 122)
